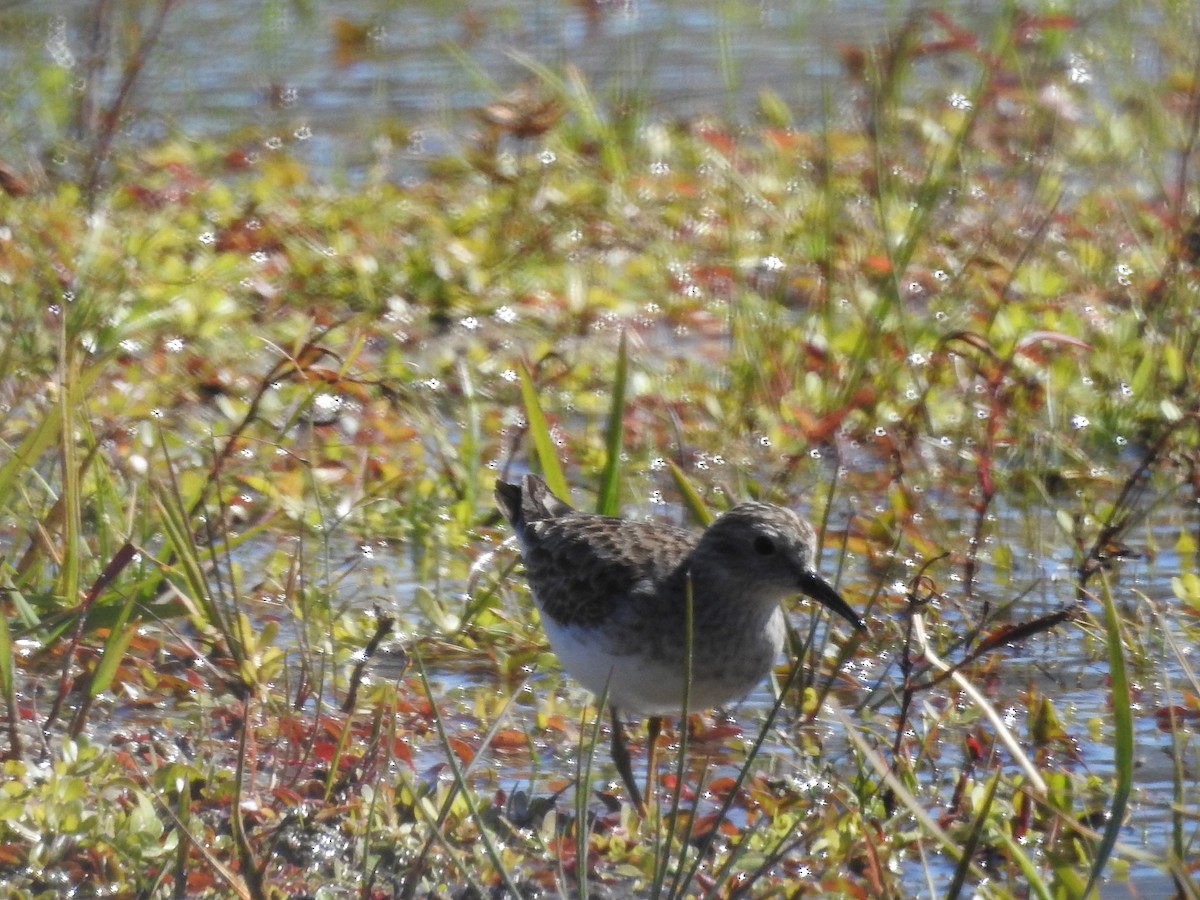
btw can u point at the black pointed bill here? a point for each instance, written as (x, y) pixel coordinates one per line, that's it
(813, 585)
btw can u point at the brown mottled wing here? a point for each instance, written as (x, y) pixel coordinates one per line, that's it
(580, 565)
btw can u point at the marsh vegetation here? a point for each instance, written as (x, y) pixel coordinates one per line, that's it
(259, 634)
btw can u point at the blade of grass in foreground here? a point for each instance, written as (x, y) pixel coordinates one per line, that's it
(8, 688)
(115, 645)
(1122, 736)
(539, 433)
(468, 449)
(30, 451)
(682, 884)
(972, 841)
(177, 538)
(460, 781)
(874, 760)
(584, 760)
(608, 503)
(691, 497)
(1037, 886)
(663, 851)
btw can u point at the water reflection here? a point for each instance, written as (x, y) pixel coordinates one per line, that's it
(394, 83)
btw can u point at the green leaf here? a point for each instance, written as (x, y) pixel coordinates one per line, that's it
(7, 684)
(539, 433)
(115, 646)
(608, 503)
(1122, 719)
(691, 497)
(31, 449)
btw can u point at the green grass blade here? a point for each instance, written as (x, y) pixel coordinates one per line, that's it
(873, 759)
(584, 764)
(691, 497)
(1122, 717)
(121, 633)
(608, 503)
(25, 614)
(177, 538)
(460, 779)
(743, 773)
(8, 685)
(114, 651)
(539, 433)
(972, 841)
(469, 447)
(683, 841)
(71, 568)
(1033, 878)
(31, 449)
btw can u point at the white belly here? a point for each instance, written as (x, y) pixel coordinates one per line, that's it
(640, 684)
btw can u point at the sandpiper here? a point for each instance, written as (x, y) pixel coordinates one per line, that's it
(613, 596)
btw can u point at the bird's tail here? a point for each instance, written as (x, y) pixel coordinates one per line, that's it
(529, 501)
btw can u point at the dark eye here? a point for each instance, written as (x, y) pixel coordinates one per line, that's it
(764, 546)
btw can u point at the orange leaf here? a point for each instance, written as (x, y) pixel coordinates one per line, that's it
(462, 750)
(288, 796)
(722, 786)
(402, 750)
(510, 739)
(877, 265)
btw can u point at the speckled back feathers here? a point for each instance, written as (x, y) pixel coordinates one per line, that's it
(586, 569)
(579, 565)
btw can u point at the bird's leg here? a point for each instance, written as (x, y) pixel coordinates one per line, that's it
(653, 729)
(620, 757)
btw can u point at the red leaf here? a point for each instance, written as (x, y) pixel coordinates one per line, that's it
(1171, 718)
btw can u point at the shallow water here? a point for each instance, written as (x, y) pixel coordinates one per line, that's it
(403, 94)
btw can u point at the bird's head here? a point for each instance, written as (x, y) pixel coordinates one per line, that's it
(765, 551)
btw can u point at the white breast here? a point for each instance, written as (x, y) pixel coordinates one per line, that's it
(641, 684)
